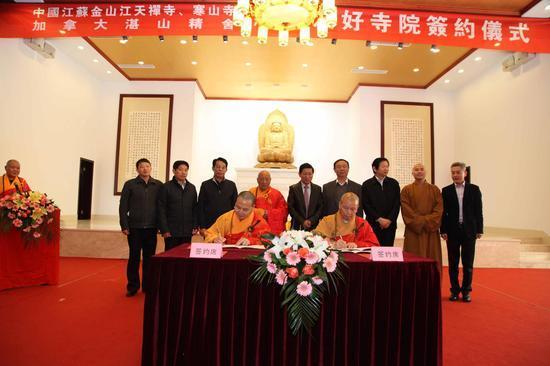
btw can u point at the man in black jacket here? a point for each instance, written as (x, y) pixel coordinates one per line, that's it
(217, 195)
(381, 198)
(177, 207)
(333, 190)
(305, 201)
(461, 225)
(138, 220)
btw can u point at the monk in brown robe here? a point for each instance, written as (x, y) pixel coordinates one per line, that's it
(422, 208)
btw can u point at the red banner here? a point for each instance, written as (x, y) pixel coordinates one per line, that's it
(463, 30)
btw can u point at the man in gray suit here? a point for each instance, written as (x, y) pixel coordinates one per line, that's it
(333, 190)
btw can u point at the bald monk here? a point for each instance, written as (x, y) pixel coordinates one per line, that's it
(241, 226)
(11, 181)
(270, 203)
(346, 230)
(422, 208)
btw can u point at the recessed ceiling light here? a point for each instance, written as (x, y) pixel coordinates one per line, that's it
(416, 69)
(194, 62)
(497, 44)
(360, 67)
(247, 63)
(80, 47)
(124, 40)
(141, 62)
(373, 47)
(478, 58)
(434, 49)
(447, 81)
(95, 60)
(109, 72)
(305, 65)
(195, 38)
(183, 41)
(245, 42)
(400, 46)
(460, 71)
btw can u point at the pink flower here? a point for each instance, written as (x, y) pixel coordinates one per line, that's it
(267, 256)
(293, 258)
(317, 280)
(281, 277)
(11, 216)
(50, 220)
(312, 258)
(27, 229)
(303, 252)
(9, 205)
(308, 270)
(329, 264)
(35, 225)
(292, 272)
(334, 256)
(39, 221)
(271, 267)
(304, 288)
(50, 208)
(37, 234)
(17, 223)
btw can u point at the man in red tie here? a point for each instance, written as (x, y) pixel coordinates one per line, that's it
(305, 200)
(11, 181)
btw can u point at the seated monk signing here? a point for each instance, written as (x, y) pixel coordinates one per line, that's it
(344, 229)
(241, 226)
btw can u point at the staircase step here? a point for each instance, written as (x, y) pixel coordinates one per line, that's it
(545, 248)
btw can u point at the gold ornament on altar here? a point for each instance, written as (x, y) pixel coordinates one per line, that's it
(276, 141)
(284, 16)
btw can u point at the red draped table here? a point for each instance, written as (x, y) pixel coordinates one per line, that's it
(35, 263)
(207, 312)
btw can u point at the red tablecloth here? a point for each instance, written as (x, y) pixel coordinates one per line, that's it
(31, 264)
(207, 312)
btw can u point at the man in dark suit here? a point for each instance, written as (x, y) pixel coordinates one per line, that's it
(333, 190)
(461, 225)
(381, 198)
(178, 207)
(305, 200)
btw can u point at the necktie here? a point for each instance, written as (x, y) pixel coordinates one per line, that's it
(306, 198)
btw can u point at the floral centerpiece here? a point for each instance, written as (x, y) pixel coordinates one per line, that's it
(29, 212)
(306, 268)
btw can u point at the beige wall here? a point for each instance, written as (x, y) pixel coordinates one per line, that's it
(503, 132)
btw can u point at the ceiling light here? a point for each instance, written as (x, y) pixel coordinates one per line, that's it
(416, 69)
(360, 67)
(247, 63)
(161, 38)
(305, 65)
(371, 45)
(460, 71)
(124, 40)
(400, 46)
(478, 58)
(195, 39)
(183, 41)
(95, 60)
(447, 81)
(109, 72)
(194, 63)
(141, 62)
(497, 44)
(225, 39)
(244, 42)
(80, 47)
(334, 40)
(434, 49)
(285, 16)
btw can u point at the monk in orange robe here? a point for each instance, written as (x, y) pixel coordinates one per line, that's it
(241, 226)
(270, 203)
(11, 181)
(344, 229)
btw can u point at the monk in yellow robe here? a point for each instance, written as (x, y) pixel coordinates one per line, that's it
(345, 229)
(270, 203)
(422, 208)
(241, 226)
(11, 181)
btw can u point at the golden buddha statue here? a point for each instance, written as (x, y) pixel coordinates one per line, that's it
(276, 141)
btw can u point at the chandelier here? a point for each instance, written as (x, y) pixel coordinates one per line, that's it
(285, 16)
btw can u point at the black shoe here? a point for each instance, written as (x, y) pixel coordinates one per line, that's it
(454, 297)
(466, 297)
(131, 293)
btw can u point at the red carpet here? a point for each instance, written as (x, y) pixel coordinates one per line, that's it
(87, 320)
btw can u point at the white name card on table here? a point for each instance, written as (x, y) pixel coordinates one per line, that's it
(205, 250)
(386, 254)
